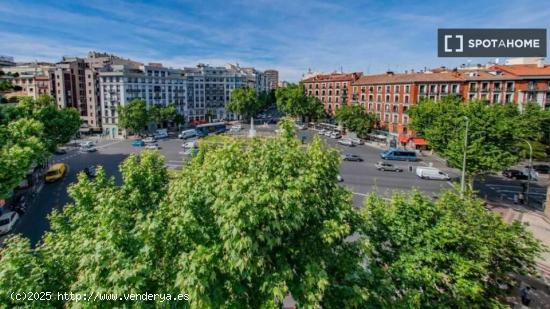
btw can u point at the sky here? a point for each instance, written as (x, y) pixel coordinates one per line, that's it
(291, 36)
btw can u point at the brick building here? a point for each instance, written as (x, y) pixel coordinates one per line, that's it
(331, 89)
(390, 95)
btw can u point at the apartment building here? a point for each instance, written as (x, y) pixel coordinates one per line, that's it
(331, 89)
(157, 85)
(272, 77)
(6, 61)
(33, 85)
(69, 83)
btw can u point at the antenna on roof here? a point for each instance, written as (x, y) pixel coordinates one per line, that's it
(341, 69)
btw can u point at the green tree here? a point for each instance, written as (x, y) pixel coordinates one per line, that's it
(292, 100)
(244, 102)
(451, 253)
(133, 116)
(5, 85)
(168, 112)
(356, 119)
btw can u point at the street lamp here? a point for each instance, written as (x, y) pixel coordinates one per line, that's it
(462, 180)
(529, 176)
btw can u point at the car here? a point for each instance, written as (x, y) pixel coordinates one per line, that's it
(301, 127)
(335, 135)
(540, 168)
(356, 140)
(152, 147)
(235, 128)
(431, 173)
(90, 171)
(339, 178)
(328, 133)
(60, 151)
(191, 144)
(514, 174)
(322, 132)
(138, 143)
(55, 172)
(190, 152)
(150, 139)
(185, 134)
(88, 149)
(383, 166)
(7, 221)
(352, 157)
(346, 142)
(87, 144)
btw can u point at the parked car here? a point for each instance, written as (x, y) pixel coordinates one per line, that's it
(185, 134)
(55, 172)
(515, 174)
(346, 142)
(150, 139)
(335, 135)
(301, 127)
(152, 147)
(90, 148)
(383, 166)
(138, 143)
(322, 132)
(60, 151)
(356, 140)
(191, 144)
(540, 168)
(352, 157)
(431, 173)
(236, 128)
(160, 134)
(7, 221)
(87, 144)
(90, 171)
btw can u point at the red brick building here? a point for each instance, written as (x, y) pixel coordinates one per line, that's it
(332, 89)
(390, 95)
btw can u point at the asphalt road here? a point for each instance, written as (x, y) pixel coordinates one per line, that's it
(360, 177)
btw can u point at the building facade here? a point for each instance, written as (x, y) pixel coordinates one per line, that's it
(389, 96)
(331, 89)
(155, 84)
(69, 83)
(272, 77)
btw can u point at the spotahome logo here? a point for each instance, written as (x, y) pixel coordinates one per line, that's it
(491, 42)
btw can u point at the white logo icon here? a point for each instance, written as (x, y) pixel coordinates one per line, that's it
(460, 37)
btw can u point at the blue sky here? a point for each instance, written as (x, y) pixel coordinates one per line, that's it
(291, 36)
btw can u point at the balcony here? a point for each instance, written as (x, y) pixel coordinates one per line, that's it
(497, 89)
(510, 89)
(485, 89)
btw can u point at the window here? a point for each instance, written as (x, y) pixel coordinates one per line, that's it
(455, 88)
(396, 98)
(371, 89)
(407, 88)
(396, 89)
(473, 87)
(370, 97)
(406, 100)
(387, 97)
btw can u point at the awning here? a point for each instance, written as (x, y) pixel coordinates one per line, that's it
(420, 141)
(403, 139)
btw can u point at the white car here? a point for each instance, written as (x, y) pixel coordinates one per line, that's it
(149, 140)
(322, 132)
(346, 142)
(356, 140)
(152, 147)
(335, 135)
(301, 126)
(191, 144)
(328, 133)
(236, 128)
(90, 148)
(87, 144)
(7, 221)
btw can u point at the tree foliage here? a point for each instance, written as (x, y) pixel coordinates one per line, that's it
(5, 85)
(356, 119)
(451, 253)
(292, 100)
(245, 102)
(28, 132)
(493, 135)
(134, 115)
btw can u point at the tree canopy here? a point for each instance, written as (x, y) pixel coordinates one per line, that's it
(356, 119)
(245, 102)
(451, 253)
(494, 134)
(29, 131)
(134, 115)
(292, 100)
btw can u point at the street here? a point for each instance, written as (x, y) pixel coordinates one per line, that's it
(360, 178)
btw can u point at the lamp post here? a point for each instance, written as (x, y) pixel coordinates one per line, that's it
(529, 176)
(462, 180)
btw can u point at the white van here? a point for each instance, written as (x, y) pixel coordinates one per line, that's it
(185, 134)
(161, 133)
(431, 173)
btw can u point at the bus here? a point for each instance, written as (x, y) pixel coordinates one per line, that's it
(210, 128)
(399, 154)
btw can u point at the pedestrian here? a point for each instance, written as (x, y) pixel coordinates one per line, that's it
(526, 296)
(521, 198)
(410, 168)
(516, 199)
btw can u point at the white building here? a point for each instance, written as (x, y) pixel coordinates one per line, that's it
(157, 85)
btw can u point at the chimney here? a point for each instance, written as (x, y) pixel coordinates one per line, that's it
(540, 63)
